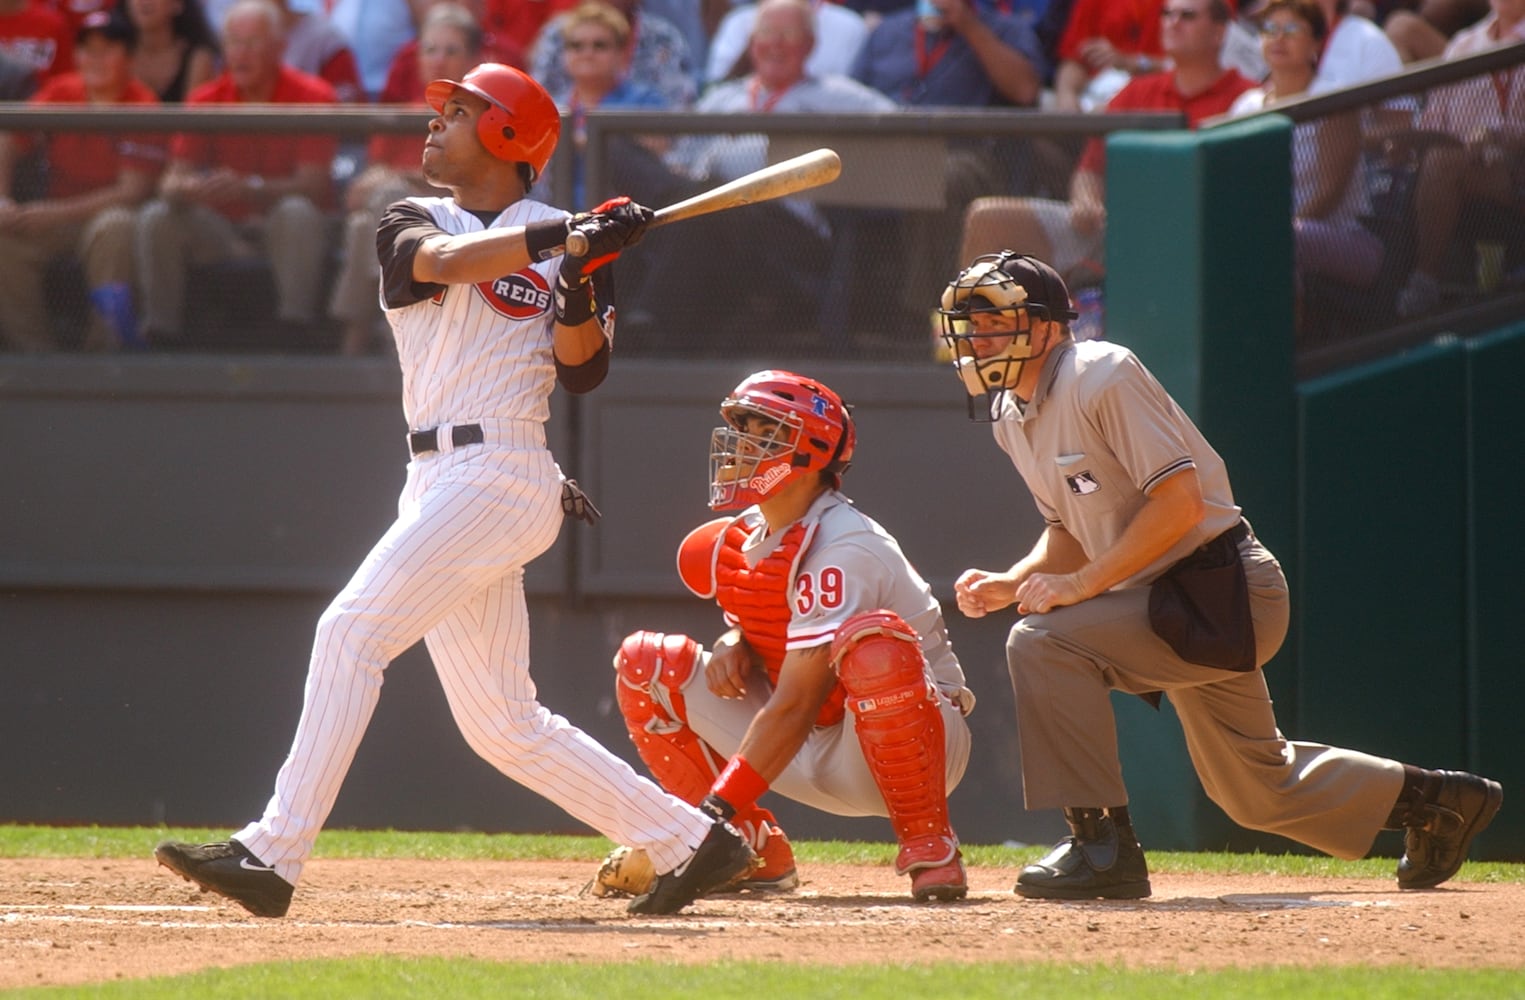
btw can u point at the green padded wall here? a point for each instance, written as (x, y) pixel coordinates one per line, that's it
(1381, 600)
(1495, 366)
(1198, 285)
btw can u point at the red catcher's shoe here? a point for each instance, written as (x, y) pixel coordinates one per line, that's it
(776, 871)
(944, 883)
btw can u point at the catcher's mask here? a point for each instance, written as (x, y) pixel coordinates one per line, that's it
(778, 426)
(522, 124)
(1016, 288)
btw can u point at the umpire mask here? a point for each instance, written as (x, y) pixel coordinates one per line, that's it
(999, 296)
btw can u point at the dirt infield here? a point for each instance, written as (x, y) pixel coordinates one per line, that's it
(72, 921)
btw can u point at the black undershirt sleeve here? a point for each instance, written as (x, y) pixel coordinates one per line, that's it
(403, 227)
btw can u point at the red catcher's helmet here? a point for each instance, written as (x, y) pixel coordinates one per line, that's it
(812, 431)
(521, 126)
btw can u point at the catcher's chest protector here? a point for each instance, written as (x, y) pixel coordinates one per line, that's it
(756, 598)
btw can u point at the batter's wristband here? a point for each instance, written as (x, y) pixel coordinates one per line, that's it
(544, 240)
(574, 303)
(739, 784)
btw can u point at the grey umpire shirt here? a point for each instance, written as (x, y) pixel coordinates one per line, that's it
(1099, 434)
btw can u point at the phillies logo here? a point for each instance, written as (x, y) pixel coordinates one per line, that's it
(522, 295)
(774, 475)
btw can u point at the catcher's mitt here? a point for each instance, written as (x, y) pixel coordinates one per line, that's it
(627, 871)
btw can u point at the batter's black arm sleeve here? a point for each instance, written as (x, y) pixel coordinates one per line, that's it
(578, 379)
(589, 375)
(403, 227)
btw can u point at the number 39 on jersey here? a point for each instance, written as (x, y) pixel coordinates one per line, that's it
(821, 589)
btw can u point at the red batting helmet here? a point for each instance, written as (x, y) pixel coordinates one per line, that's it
(811, 432)
(522, 124)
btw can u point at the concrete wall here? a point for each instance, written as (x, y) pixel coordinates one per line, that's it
(175, 525)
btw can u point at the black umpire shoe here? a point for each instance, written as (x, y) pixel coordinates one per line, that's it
(228, 869)
(1437, 836)
(1101, 860)
(723, 855)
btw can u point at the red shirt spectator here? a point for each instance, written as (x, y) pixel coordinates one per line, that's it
(1159, 92)
(265, 154)
(38, 36)
(79, 162)
(517, 23)
(1130, 25)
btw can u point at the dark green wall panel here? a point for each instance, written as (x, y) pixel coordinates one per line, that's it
(1380, 599)
(1496, 689)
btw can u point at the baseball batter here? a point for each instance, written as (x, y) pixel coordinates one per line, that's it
(487, 312)
(835, 684)
(1147, 579)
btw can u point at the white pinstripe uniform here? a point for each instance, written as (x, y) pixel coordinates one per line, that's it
(451, 568)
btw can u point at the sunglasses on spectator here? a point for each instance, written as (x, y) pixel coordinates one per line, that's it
(1179, 14)
(597, 45)
(1288, 30)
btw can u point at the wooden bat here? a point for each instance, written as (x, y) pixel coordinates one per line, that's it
(801, 173)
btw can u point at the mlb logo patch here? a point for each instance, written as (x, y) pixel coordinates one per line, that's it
(1082, 483)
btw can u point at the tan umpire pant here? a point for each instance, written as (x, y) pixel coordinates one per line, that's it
(1064, 663)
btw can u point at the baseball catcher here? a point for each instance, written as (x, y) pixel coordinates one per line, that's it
(834, 683)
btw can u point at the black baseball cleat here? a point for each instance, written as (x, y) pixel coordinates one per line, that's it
(228, 869)
(722, 855)
(1101, 860)
(1435, 842)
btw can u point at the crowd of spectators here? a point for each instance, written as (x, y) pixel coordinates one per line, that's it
(139, 214)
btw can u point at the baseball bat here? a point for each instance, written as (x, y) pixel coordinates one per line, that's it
(820, 166)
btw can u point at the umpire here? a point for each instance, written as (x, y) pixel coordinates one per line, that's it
(1147, 579)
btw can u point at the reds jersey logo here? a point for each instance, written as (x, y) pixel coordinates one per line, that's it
(522, 295)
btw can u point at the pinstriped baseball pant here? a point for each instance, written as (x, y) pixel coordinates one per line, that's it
(451, 570)
(1064, 663)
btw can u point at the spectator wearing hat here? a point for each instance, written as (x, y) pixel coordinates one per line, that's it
(95, 182)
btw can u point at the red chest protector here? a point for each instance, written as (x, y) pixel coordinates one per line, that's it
(754, 598)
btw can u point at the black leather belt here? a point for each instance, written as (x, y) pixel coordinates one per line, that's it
(423, 442)
(1238, 532)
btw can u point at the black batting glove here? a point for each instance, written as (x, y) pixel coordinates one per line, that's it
(575, 503)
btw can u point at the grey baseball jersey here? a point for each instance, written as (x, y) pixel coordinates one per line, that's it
(1099, 434)
(849, 565)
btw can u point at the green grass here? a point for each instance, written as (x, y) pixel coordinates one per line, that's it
(462, 979)
(127, 842)
(468, 979)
